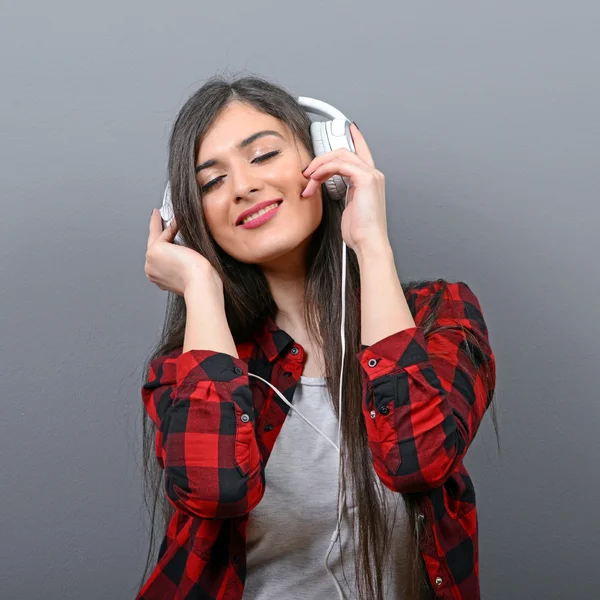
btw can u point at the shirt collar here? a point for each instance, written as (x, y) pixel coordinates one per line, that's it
(271, 339)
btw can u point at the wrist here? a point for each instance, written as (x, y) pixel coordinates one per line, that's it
(374, 251)
(207, 286)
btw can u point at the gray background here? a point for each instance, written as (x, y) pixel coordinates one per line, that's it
(483, 117)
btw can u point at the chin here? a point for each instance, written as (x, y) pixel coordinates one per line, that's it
(273, 250)
(269, 255)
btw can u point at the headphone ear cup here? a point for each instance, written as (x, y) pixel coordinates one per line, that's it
(336, 187)
(167, 214)
(166, 210)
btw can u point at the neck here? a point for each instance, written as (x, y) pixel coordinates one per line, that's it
(286, 277)
(288, 294)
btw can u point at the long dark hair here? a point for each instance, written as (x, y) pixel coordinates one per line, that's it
(248, 302)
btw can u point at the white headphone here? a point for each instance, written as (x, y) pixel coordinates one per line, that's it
(326, 136)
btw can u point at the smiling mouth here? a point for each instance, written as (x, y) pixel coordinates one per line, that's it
(261, 212)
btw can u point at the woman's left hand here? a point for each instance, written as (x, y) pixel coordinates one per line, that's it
(364, 223)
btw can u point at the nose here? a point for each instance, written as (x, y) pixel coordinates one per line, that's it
(244, 181)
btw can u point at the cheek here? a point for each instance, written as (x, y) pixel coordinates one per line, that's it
(214, 218)
(310, 210)
(289, 173)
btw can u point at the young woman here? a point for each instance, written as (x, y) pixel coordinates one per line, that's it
(247, 488)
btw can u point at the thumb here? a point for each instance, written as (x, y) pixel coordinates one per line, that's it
(170, 231)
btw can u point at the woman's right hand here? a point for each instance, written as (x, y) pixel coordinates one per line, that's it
(173, 267)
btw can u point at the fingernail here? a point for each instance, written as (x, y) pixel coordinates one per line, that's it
(357, 127)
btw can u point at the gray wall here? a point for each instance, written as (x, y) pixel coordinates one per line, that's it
(484, 118)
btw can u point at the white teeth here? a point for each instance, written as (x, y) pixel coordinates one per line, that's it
(262, 211)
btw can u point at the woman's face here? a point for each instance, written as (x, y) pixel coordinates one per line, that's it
(237, 181)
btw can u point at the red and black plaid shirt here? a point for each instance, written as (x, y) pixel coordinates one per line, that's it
(423, 401)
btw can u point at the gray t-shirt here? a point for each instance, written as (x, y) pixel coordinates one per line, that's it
(289, 531)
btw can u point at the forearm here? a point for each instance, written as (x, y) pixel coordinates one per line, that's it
(206, 325)
(213, 467)
(424, 398)
(384, 310)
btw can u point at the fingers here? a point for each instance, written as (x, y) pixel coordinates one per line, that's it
(341, 153)
(360, 145)
(170, 231)
(155, 227)
(335, 167)
(157, 231)
(361, 156)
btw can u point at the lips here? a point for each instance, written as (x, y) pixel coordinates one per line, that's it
(256, 208)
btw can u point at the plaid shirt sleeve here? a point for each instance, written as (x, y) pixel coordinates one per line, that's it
(423, 397)
(201, 403)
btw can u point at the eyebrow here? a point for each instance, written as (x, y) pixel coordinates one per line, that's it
(242, 144)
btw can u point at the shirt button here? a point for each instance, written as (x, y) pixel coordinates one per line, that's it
(438, 581)
(238, 371)
(287, 374)
(384, 410)
(421, 517)
(268, 427)
(372, 362)
(295, 350)
(245, 418)
(373, 414)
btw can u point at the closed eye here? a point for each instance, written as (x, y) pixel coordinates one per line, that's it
(205, 188)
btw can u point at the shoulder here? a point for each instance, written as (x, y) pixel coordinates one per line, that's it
(443, 297)
(450, 307)
(425, 288)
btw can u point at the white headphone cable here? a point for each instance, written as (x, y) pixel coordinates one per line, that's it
(340, 504)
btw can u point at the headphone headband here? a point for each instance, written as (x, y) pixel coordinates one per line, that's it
(321, 108)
